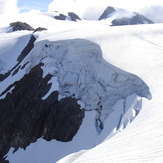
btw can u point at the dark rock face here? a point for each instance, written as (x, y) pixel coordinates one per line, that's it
(108, 10)
(73, 16)
(2, 160)
(23, 54)
(60, 17)
(27, 49)
(4, 76)
(121, 21)
(17, 26)
(140, 19)
(25, 117)
(39, 29)
(137, 19)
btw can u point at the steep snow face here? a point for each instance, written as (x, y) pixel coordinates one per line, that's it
(137, 49)
(11, 46)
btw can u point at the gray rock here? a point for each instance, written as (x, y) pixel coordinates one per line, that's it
(25, 117)
(60, 17)
(27, 49)
(108, 10)
(137, 19)
(39, 29)
(73, 16)
(17, 26)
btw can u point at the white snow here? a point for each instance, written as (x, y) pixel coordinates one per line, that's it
(120, 13)
(135, 49)
(11, 45)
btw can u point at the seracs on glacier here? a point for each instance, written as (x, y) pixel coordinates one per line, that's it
(80, 71)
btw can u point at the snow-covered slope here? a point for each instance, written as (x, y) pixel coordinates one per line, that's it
(133, 49)
(139, 50)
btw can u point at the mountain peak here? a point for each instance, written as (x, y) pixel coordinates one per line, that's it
(118, 16)
(17, 26)
(107, 11)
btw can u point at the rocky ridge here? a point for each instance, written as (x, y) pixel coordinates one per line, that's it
(70, 16)
(17, 26)
(120, 17)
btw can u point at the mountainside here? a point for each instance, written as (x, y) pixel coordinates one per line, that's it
(70, 88)
(141, 141)
(31, 107)
(123, 17)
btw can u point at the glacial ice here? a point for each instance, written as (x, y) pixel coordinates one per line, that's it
(80, 71)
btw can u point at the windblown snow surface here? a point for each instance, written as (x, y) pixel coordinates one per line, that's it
(114, 53)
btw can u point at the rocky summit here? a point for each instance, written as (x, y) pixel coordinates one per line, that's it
(120, 17)
(70, 16)
(134, 20)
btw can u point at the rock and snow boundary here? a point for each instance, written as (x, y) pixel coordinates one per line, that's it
(82, 73)
(110, 97)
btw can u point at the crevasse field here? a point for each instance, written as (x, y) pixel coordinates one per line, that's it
(136, 49)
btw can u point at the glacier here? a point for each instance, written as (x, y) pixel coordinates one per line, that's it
(91, 52)
(79, 71)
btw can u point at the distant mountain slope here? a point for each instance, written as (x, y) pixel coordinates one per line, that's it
(123, 17)
(138, 49)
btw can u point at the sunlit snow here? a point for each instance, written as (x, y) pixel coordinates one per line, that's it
(134, 49)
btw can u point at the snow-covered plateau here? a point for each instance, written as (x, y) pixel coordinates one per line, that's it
(114, 73)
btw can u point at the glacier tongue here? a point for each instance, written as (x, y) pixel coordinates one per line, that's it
(83, 74)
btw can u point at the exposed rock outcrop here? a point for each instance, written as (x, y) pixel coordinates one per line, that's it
(27, 49)
(60, 17)
(23, 54)
(17, 26)
(25, 117)
(73, 16)
(137, 19)
(39, 29)
(70, 16)
(107, 11)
